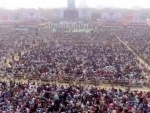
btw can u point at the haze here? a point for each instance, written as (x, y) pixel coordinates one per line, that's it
(15, 4)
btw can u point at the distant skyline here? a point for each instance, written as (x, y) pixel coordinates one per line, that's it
(16, 4)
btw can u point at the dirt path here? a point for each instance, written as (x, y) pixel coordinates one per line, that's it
(138, 57)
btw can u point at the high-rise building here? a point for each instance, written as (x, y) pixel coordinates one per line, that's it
(71, 3)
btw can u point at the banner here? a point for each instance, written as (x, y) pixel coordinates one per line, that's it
(136, 18)
(111, 17)
(71, 3)
(143, 16)
(5, 17)
(129, 17)
(71, 14)
(31, 17)
(11, 17)
(58, 13)
(84, 13)
(16, 17)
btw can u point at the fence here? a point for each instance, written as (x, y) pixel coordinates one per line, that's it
(72, 80)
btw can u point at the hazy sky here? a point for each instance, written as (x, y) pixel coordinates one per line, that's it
(14, 4)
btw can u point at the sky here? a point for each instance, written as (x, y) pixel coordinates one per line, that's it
(15, 4)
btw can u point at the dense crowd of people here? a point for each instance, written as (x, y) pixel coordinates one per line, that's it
(12, 41)
(30, 98)
(78, 55)
(98, 55)
(75, 54)
(138, 39)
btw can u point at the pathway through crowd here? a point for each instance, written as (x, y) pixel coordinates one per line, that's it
(138, 57)
(141, 61)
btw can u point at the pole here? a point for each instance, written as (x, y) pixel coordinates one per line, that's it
(92, 34)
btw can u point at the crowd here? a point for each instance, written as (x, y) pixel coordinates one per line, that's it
(12, 41)
(98, 55)
(138, 39)
(31, 98)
